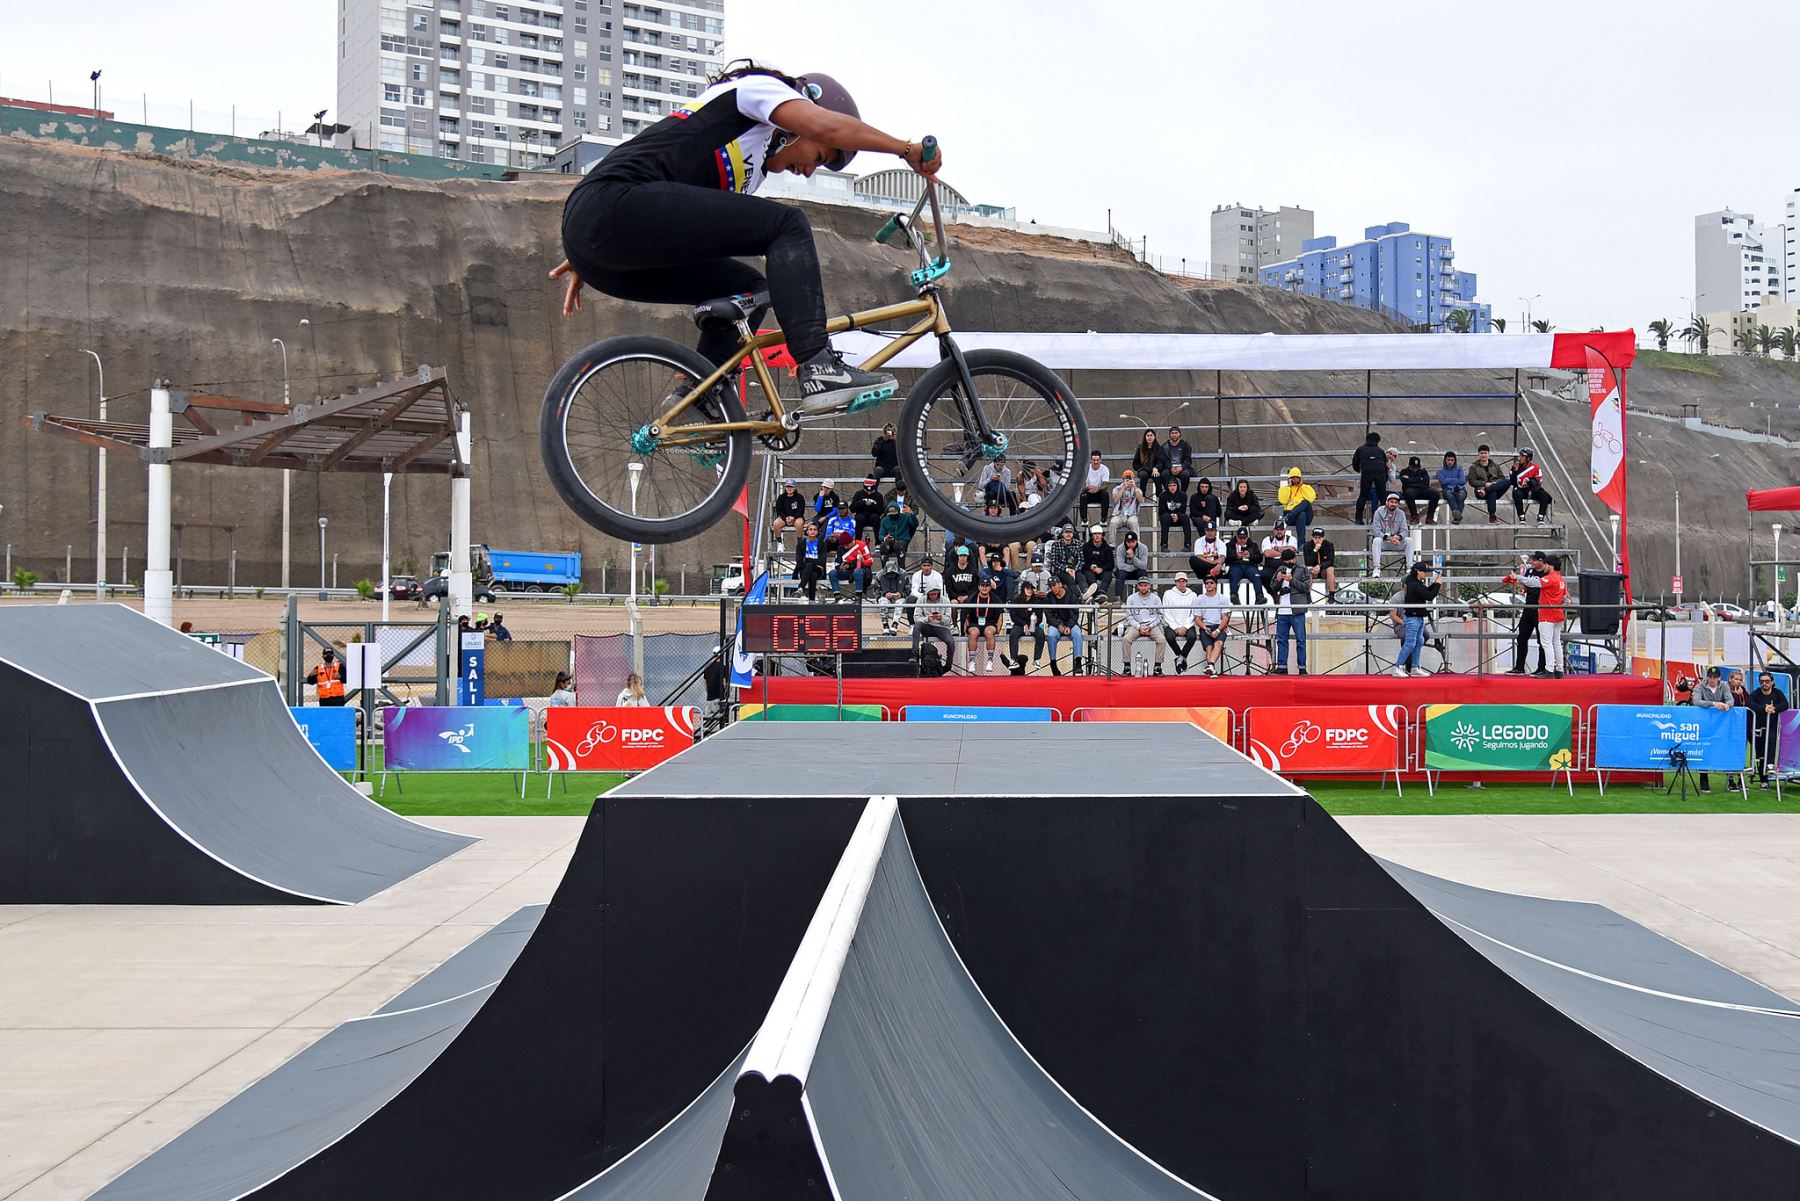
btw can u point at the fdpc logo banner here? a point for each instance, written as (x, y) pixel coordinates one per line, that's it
(616, 738)
(1328, 738)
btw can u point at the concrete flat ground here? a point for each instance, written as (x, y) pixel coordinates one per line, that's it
(120, 1027)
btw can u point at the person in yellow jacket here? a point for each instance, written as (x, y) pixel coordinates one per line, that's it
(1296, 498)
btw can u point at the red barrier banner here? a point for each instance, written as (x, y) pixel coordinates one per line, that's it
(616, 738)
(1326, 738)
(1214, 720)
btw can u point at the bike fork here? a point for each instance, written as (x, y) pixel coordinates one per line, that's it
(979, 437)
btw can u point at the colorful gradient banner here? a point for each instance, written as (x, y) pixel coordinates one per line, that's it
(457, 738)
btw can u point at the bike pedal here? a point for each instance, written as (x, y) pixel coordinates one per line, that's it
(870, 399)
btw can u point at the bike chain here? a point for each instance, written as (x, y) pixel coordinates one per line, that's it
(779, 443)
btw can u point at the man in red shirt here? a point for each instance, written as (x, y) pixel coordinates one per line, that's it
(1546, 583)
(1527, 482)
(854, 562)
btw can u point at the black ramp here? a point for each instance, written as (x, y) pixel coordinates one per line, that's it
(919, 1090)
(146, 768)
(316, 1097)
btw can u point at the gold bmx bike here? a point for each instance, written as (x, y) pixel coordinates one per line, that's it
(647, 441)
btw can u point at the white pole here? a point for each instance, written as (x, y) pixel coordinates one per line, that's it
(287, 479)
(462, 583)
(100, 497)
(631, 605)
(1678, 542)
(1615, 543)
(1775, 573)
(387, 485)
(159, 581)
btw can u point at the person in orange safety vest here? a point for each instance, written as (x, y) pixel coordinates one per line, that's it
(328, 676)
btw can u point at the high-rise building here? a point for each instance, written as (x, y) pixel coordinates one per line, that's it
(1733, 272)
(1395, 269)
(492, 82)
(1243, 239)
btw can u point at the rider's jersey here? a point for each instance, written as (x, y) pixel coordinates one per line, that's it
(720, 139)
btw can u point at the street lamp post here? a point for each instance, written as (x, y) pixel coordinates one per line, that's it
(322, 522)
(1678, 542)
(287, 476)
(100, 491)
(387, 484)
(1775, 572)
(636, 471)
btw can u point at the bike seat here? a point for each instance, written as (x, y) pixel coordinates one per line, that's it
(731, 309)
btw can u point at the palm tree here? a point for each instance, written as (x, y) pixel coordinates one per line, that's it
(1746, 340)
(1700, 330)
(1499, 324)
(1789, 341)
(1664, 329)
(1457, 321)
(1542, 326)
(1766, 340)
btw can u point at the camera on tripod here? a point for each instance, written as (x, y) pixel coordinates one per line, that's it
(1678, 759)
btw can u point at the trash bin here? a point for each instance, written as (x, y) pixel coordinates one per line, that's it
(1602, 594)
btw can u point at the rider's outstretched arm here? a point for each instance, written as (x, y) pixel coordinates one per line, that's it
(847, 133)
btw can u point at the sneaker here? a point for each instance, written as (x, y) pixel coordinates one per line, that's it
(1540, 519)
(1734, 783)
(1180, 665)
(1540, 675)
(1211, 671)
(1278, 671)
(1302, 671)
(1456, 519)
(1705, 786)
(830, 385)
(1400, 672)
(1420, 671)
(990, 663)
(1055, 669)
(1158, 670)
(1515, 671)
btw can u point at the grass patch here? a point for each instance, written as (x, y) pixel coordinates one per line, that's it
(1693, 364)
(1357, 798)
(452, 794)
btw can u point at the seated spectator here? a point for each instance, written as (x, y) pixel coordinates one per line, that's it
(961, 575)
(995, 483)
(1062, 620)
(1096, 489)
(933, 625)
(1064, 557)
(1036, 574)
(853, 565)
(890, 594)
(1279, 541)
(840, 522)
(1291, 586)
(866, 507)
(1243, 561)
(1297, 498)
(1172, 515)
(1149, 463)
(925, 579)
(1143, 619)
(1487, 481)
(1208, 559)
(1025, 618)
(1320, 559)
(897, 529)
(1178, 461)
(1389, 532)
(811, 567)
(1241, 506)
(1097, 560)
(1204, 508)
(632, 695)
(886, 453)
(980, 622)
(1212, 619)
(789, 512)
(1002, 578)
(1527, 481)
(1179, 606)
(1127, 499)
(562, 694)
(1453, 482)
(1415, 490)
(1131, 562)
(825, 500)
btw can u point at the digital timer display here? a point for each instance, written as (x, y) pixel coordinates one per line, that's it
(802, 629)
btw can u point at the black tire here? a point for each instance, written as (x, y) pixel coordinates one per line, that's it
(598, 494)
(1038, 396)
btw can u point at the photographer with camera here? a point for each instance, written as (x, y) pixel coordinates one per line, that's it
(1291, 586)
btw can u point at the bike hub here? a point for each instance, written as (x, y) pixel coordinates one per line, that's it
(646, 439)
(996, 448)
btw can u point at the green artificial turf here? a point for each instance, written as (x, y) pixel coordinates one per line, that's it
(1356, 798)
(451, 794)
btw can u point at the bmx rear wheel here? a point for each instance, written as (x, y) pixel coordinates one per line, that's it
(598, 424)
(1037, 421)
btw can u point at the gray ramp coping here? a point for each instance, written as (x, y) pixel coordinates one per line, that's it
(315, 1098)
(676, 1163)
(948, 759)
(918, 1089)
(102, 651)
(229, 770)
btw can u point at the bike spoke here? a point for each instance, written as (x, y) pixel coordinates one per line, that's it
(620, 400)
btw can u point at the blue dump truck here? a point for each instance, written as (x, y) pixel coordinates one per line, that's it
(517, 570)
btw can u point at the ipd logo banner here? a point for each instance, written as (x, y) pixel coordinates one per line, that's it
(332, 731)
(614, 738)
(457, 738)
(1327, 738)
(1628, 736)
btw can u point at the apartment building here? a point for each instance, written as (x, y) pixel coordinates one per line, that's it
(1409, 275)
(509, 83)
(1243, 239)
(1734, 269)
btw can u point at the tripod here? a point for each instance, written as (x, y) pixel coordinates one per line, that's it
(1678, 760)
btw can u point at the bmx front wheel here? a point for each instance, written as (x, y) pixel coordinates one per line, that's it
(1036, 421)
(615, 467)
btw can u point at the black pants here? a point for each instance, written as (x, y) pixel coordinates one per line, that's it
(670, 243)
(1089, 500)
(1526, 638)
(1370, 492)
(808, 577)
(1177, 523)
(1529, 493)
(1182, 644)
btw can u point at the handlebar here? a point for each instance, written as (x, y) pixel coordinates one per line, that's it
(902, 229)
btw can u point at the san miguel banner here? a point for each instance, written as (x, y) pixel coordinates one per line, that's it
(331, 729)
(1326, 738)
(457, 738)
(1638, 737)
(616, 738)
(1500, 737)
(1214, 720)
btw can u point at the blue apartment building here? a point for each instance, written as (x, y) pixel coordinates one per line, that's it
(1408, 275)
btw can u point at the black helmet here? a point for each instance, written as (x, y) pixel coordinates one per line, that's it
(827, 92)
(1525, 452)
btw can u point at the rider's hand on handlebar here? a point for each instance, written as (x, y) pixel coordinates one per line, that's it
(915, 159)
(572, 295)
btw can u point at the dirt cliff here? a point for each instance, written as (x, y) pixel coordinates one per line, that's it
(187, 271)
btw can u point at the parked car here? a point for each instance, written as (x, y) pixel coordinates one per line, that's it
(439, 586)
(405, 587)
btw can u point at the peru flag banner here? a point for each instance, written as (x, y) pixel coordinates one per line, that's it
(1608, 455)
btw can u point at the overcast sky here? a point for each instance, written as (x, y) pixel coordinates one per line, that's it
(1565, 146)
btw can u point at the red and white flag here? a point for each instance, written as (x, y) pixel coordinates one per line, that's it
(1608, 453)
